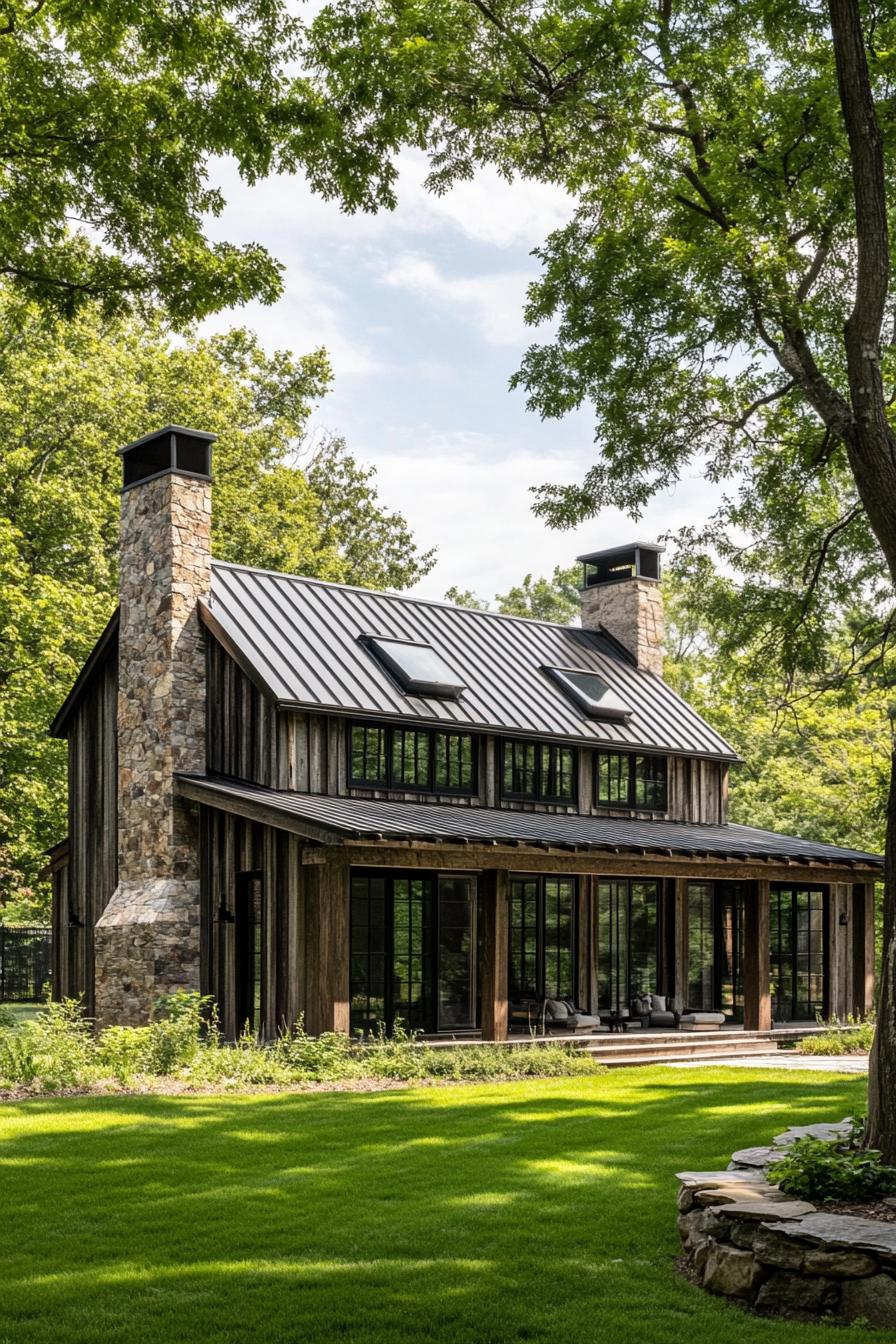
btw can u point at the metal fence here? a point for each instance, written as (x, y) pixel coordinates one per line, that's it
(24, 964)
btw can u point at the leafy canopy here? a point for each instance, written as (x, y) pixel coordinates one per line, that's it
(109, 117)
(709, 260)
(70, 394)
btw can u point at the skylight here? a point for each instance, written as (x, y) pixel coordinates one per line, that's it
(417, 668)
(591, 693)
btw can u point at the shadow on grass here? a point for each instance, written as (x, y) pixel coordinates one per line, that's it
(525, 1211)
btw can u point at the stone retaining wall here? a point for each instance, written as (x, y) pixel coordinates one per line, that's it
(743, 1238)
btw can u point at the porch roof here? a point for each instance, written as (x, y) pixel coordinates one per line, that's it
(331, 820)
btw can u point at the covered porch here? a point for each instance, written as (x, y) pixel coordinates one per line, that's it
(448, 920)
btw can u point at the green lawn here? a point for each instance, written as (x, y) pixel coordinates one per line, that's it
(538, 1211)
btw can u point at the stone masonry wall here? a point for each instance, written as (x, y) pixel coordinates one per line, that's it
(147, 939)
(632, 611)
(743, 1238)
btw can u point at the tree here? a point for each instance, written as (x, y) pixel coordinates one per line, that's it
(554, 599)
(721, 292)
(70, 394)
(109, 117)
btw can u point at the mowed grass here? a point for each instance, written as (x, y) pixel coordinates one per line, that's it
(537, 1211)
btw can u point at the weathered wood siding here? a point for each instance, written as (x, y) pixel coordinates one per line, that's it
(232, 847)
(312, 757)
(92, 873)
(241, 723)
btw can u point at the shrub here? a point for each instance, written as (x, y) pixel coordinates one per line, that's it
(819, 1170)
(838, 1041)
(59, 1049)
(55, 1047)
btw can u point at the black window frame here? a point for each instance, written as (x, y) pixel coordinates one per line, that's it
(539, 793)
(657, 763)
(538, 930)
(389, 781)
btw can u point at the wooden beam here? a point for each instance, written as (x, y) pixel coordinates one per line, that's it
(863, 947)
(327, 949)
(495, 908)
(478, 857)
(757, 992)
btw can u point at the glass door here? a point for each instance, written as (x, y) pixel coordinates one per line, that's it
(542, 938)
(456, 953)
(628, 941)
(798, 969)
(247, 953)
(715, 948)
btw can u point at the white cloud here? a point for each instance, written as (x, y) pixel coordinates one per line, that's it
(469, 494)
(493, 303)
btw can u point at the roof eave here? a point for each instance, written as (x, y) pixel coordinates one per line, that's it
(95, 658)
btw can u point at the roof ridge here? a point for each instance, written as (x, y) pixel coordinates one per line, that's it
(407, 597)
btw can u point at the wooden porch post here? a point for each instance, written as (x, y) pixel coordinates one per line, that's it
(757, 992)
(326, 948)
(495, 952)
(680, 981)
(863, 959)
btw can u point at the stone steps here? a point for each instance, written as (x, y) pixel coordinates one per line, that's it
(668, 1047)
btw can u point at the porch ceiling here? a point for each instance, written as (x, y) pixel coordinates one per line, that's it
(334, 820)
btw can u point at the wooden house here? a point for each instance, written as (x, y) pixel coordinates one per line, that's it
(308, 799)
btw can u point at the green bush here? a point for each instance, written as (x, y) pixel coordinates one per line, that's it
(59, 1049)
(818, 1170)
(838, 1041)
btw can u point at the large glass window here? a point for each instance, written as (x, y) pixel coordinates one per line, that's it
(412, 758)
(391, 952)
(412, 951)
(701, 946)
(715, 947)
(628, 941)
(542, 938)
(797, 946)
(539, 772)
(626, 779)
(367, 758)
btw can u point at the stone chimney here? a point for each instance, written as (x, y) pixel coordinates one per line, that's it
(621, 595)
(147, 939)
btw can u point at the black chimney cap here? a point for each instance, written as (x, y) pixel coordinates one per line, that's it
(188, 452)
(638, 560)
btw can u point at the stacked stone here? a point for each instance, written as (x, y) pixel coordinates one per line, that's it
(147, 939)
(743, 1238)
(632, 612)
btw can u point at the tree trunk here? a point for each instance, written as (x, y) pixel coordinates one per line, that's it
(871, 446)
(881, 1131)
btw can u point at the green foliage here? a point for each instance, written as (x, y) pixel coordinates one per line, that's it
(816, 764)
(816, 1170)
(837, 1041)
(553, 599)
(70, 394)
(59, 1049)
(697, 297)
(56, 1047)
(111, 117)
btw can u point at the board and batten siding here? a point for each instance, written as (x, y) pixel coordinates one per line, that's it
(93, 830)
(249, 738)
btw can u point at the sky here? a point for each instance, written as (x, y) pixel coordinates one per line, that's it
(421, 312)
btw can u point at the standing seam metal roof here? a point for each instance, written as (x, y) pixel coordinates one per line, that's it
(300, 638)
(381, 819)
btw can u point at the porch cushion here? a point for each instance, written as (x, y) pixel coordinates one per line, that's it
(658, 1003)
(556, 1010)
(702, 1021)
